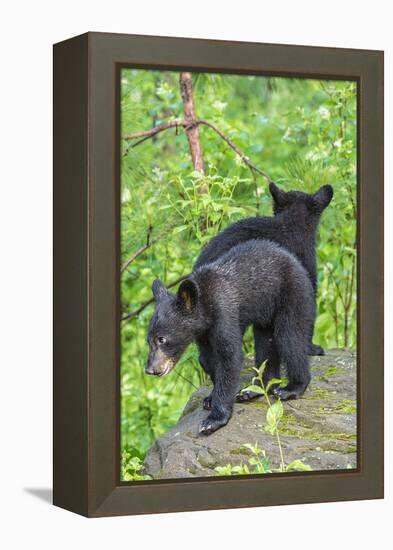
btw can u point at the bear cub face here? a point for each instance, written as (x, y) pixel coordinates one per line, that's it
(173, 327)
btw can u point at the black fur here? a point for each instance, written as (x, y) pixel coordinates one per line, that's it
(293, 226)
(256, 282)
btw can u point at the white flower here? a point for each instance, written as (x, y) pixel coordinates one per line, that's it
(219, 105)
(324, 112)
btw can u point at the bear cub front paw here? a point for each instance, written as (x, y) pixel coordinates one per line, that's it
(213, 422)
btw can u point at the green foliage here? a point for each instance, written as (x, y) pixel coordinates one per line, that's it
(302, 132)
(131, 467)
(204, 214)
(257, 464)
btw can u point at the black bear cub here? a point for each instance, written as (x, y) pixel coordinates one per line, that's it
(254, 283)
(293, 226)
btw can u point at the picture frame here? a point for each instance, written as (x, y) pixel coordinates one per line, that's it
(86, 386)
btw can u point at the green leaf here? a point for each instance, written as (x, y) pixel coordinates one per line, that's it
(299, 466)
(278, 409)
(273, 416)
(224, 470)
(253, 388)
(179, 229)
(253, 448)
(272, 382)
(242, 469)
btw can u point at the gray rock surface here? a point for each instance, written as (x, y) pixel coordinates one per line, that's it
(319, 428)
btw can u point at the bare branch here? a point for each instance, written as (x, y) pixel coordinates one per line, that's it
(137, 253)
(137, 311)
(184, 378)
(186, 124)
(235, 148)
(154, 131)
(142, 249)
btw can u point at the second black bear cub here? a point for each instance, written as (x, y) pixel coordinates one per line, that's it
(293, 226)
(255, 283)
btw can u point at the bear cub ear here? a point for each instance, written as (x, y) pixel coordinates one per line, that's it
(276, 193)
(188, 295)
(159, 290)
(322, 197)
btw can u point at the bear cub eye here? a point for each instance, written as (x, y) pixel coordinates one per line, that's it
(161, 340)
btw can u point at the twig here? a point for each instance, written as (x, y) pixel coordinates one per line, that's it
(149, 232)
(142, 249)
(148, 409)
(186, 379)
(282, 466)
(138, 252)
(156, 130)
(347, 306)
(137, 311)
(257, 204)
(235, 148)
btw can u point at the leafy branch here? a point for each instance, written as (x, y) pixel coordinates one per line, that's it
(186, 124)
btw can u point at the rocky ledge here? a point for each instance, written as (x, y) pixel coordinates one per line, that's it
(319, 429)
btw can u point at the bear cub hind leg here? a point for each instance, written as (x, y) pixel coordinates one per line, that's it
(292, 348)
(315, 349)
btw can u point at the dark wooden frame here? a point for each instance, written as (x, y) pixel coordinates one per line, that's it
(86, 274)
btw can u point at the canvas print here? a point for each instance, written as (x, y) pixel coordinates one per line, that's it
(238, 275)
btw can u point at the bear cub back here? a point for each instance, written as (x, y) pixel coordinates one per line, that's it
(293, 226)
(254, 280)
